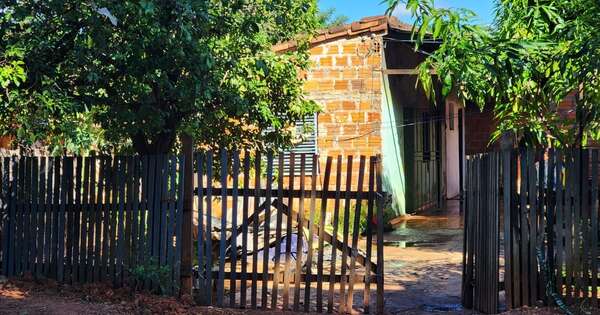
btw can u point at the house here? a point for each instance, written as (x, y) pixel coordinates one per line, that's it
(363, 77)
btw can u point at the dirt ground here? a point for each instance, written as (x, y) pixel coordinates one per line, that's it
(47, 297)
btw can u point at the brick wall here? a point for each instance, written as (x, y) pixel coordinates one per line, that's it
(479, 127)
(345, 80)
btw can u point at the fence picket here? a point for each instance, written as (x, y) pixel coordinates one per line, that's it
(594, 229)
(311, 232)
(223, 228)
(288, 240)
(336, 211)
(355, 232)
(234, 230)
(245, 206)
(279, 222)
(253, 291)
(345, 233)
(321, 233)
(267, 232)
(300, 234)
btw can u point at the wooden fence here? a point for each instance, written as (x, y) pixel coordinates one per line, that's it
(78, 219)
(531, 228)
(310, 244)
(281, 246)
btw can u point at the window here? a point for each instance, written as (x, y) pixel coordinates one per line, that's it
(307, 129)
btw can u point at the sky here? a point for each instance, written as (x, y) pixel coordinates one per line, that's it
(357, 9)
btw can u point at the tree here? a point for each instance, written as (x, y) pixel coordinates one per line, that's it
(329, 18)
(535, 54)
(133, 75)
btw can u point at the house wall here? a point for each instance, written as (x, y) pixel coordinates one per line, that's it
(344, 79)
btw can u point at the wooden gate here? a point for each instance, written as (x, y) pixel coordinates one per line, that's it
(547, 203)
(290, 240)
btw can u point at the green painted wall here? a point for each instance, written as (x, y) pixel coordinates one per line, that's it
(392, 143)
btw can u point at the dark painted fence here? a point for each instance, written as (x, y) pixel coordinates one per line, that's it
(531, 228)
(84, 219)
(290, 242)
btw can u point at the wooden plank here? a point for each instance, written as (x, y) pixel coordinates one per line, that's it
(278, 227)
(121, 238)
(380, 226)
(105, 238)
(26, 215)
(369, 231)
(69, 249)
(55, 215)
(34, 223)
(515, 235)
(128, 208)
(300, 236)
(142, 249)
(92, 211)
(8, 200)
(506, 179)
(136, 213)
(296, 193)
(84, 210)
(221, 279)
(345, 234)
(467, 288)
(18, 242)
(550, 212)
(334, 241)
(288, 240)
(13, 217)
(355, 234)
(98, 229)
(311, 232)
(568, 210)
(47, 215)
(234, 224)
(253, 290)
(163, 211)
(76, 209)
(525, 258)
(179, 220)
(172, 221)
(533, 210)
(334, 278)
(594, 229)
(61, 219)
(267, 231)
(322, 215)
(559, 226)
(245, 205)
(208, 249)
(201, 237)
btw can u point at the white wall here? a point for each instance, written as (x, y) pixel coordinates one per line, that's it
(452, 149)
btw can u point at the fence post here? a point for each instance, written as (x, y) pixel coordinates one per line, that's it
(188, 203)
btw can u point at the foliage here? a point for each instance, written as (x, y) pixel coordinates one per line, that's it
(150, 271)
(535, 54)
(133, 75)
(329, 18)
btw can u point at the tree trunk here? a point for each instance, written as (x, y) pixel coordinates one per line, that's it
(161, 143)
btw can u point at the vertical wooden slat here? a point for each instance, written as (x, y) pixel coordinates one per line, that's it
(514, 230)
(278, 227)
(533, 209)
(76, 209)
(524, 246)
(559, 229)
(223, 238)
(70, 209)
(568, 210)
(355, 233)
(311, 232)
(380, 259)
(61, 219)
(106, 210)
(34, 201)
(234, 228)
(84, 209)
(163, 211)
(48, 216)
(334, 241)
(91, 209)
(551, 213)
(55, 215)
(6, 227)
(345, 234)
(506, 179)
(245, 205)
(208, 250)
(25, 215)
(13, 217)
(119, 238)
(99, 217)
(201, 237)
(321, 227)
(288, 239)
(577, 280)
(300, 234)
(257, 175)
(172, 220)
(129, 241)
(369, 231)
(594, 229)
(267, 232)
(19, 188)
(179, 217)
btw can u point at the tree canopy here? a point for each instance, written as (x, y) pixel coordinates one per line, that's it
(534, 55)
(132, 75)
